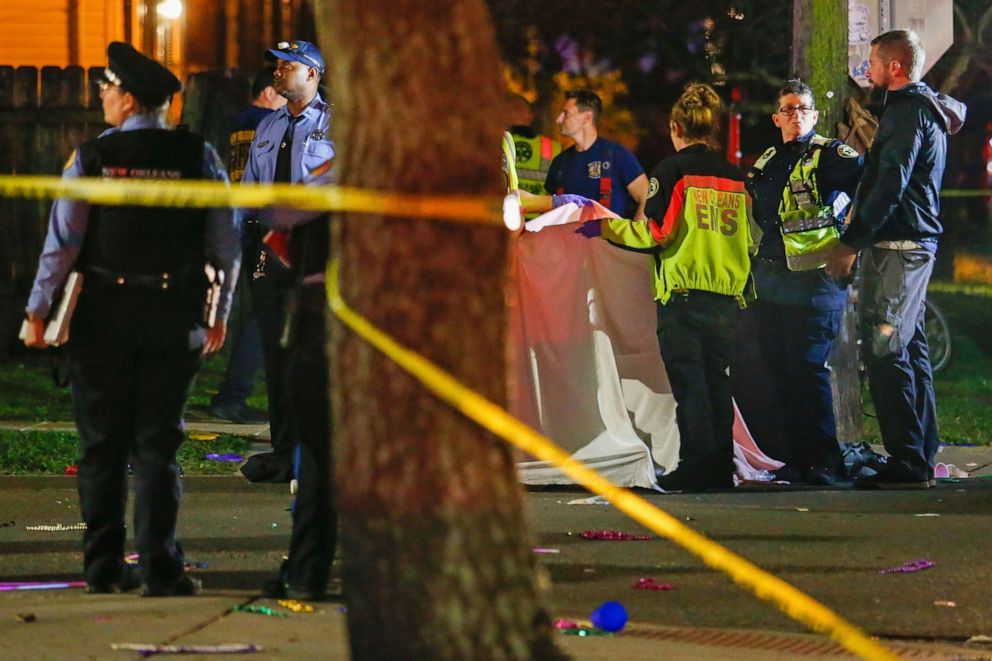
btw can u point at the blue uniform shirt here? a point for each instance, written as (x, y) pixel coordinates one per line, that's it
(579, 173)
(69, 218)
(312, 145)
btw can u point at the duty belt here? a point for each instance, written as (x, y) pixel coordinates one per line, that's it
(905, 244)
(151, 281)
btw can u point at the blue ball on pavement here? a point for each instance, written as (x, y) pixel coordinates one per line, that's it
(610, 616)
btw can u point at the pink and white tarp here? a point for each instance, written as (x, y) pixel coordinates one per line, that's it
(584, 359)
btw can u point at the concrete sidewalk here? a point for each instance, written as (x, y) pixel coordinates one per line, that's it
(829, 544)
(974, 460)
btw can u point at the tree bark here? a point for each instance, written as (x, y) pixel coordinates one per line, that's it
(436, 551)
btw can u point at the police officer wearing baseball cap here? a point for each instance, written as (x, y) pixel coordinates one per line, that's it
(290, 145)
(303, 52)
(138, 335)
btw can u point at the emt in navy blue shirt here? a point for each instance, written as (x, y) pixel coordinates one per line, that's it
(594, 167)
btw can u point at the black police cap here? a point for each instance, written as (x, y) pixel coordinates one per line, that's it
(147, 80)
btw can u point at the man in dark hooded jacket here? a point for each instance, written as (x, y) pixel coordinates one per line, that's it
(895, 225)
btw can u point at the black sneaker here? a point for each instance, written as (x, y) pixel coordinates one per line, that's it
(128, 581)
(276, 589)
(827, 479)
(239, 413)
(694, 483)
(184, 586)
(888, 482)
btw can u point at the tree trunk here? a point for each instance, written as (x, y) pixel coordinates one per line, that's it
(436, 550)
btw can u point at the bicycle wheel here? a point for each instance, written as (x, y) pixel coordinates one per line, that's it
(938, 336)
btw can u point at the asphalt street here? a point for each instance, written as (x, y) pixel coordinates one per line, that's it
(830, 544)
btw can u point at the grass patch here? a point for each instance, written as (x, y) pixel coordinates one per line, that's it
(964, 395)
(29, 393)
(48, 453)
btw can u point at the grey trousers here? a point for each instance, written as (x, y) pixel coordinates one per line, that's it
(894, 345)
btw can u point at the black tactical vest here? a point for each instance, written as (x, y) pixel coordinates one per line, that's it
(144, 240)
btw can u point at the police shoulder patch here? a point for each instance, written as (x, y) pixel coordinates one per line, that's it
(70, 161)
(846, 151)
(653, 187)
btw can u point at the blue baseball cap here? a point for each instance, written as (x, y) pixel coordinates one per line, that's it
(298, 51)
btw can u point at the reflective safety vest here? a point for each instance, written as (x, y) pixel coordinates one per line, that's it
(710, 250)
(533, 160)
(510, 163)
(808, 226)
(237, 155)
(709, 245)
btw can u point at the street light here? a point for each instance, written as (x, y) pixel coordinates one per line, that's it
(170, 9)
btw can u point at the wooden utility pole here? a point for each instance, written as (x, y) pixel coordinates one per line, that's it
(819, 56)
(437, 560)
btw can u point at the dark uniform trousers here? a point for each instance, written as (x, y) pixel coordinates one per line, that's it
(134, 349)
(795, 342)
(696, 337)
(132, 359)
(311, 547)
(268, 296)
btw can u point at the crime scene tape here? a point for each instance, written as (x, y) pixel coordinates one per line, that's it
(971, 192)
(214, 194)
(788, 599)
(985, 291)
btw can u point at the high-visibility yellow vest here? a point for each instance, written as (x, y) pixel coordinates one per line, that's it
(809, 227)
(533, 160)
(711, 242)
(237, 157)
(510, 163)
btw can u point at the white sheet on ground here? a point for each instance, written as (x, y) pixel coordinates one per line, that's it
(584, 359)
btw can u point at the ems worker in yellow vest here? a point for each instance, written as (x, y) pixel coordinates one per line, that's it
(533, 151)
(801, 188)
(699, 231)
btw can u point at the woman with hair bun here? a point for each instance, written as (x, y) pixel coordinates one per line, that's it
(699, 231)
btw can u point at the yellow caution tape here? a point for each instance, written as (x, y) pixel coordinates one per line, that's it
(968, 289)
(788, 599)
(962, 192)
(214, 194)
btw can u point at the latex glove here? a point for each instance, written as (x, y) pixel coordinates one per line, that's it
(215, 337)
(513, 216)
(591, 229)
(578, 200)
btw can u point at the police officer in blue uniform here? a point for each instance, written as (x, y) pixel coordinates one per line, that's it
(138, 335)
(288, 144)
(782, 383)
(291, 145)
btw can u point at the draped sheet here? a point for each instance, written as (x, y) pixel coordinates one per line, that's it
(584, 361)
